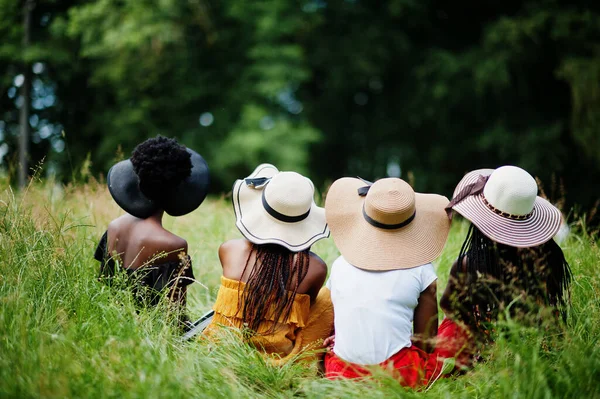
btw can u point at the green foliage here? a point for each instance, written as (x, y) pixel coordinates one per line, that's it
(332, 88)
(64, 334)
(583, 76)
(282, 142)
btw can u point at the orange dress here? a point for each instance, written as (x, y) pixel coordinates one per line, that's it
(304, 329)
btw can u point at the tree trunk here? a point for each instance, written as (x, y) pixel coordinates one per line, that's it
(26, 96)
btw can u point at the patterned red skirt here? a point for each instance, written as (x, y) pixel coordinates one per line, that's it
(412, 366)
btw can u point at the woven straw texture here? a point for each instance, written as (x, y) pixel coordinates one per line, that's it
(371, 248)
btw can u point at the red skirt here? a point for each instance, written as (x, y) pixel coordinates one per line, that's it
(412, 366)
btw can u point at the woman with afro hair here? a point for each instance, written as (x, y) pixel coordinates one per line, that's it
(161, 176)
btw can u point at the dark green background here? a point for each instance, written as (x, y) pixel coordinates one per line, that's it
(328, 88)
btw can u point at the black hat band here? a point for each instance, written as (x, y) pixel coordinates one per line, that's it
(280, 216)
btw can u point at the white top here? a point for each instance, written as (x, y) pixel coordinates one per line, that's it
(374, 310)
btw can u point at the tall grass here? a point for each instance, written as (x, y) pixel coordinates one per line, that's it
(63, 334)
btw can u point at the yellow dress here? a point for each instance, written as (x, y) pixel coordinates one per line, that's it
(305, 328)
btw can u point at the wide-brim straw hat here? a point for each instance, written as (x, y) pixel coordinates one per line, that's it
(503, 204)
(124, 186)
(386, 225)
(273, 207)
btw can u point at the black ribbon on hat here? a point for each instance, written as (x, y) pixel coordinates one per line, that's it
(386, 226)
(362, 191)
(257, 182)
(260, 182)
(471, 189)
(280, 216)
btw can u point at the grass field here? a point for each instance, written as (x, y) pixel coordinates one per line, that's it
(63, 334)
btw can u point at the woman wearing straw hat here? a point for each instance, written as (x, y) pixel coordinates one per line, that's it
(508, 251)
(272, 284)
(161, 176)
(383, 286)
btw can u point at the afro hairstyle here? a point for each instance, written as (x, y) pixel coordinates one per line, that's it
(161, 164)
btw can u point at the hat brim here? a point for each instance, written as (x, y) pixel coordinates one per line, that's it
(123, 185)
(537, 229)
(190, 193)
(258, 227)
(371, 248)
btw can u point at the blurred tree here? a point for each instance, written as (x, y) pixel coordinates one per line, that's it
(147, 74)
(49, 61)
(25, 94)
(443, 88)
(218, 76)
(423, 89)
(271, 126)
(509, 96)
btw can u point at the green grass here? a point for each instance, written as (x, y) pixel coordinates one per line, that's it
(62, 334)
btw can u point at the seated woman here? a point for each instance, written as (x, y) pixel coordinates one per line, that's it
(383, 286)
(272, 285)
(161, 176)
(509, 260)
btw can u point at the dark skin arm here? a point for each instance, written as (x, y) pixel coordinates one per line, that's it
(454, 280)
(315, 277)
(425, 321)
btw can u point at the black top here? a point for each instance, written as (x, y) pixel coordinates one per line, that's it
(149, 280)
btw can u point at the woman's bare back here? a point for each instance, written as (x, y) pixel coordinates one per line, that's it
(234, 254)
(136, 241)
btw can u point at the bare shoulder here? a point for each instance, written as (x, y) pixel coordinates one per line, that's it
(167, 244)
(173, 242)
(118, 224)
(317, 269)
(238, 245)
(318, 264)
(118, 233)
(233, 255)
(235, 244)
(315, 276)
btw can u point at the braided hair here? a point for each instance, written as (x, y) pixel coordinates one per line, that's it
(272, 285)
(161, 164)
(493, 277)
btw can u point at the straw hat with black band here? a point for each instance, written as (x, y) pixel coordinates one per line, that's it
(386, 225)
(273, 207)
(503, 204)
(123, 184)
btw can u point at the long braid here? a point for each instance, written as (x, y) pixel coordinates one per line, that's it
(272, 285)
(559, 277)
(494, 276)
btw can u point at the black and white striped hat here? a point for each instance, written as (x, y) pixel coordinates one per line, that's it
(503, 204)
